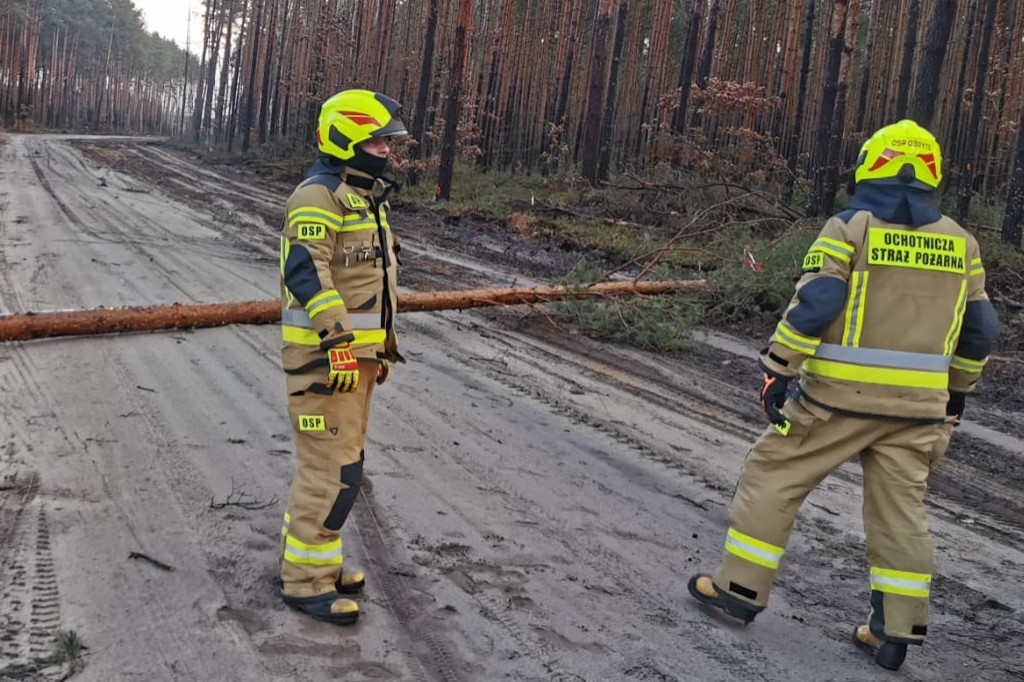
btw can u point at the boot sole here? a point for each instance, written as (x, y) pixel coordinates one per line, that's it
(353, 588)
(746, 616)
(333, 619)
(873, 652)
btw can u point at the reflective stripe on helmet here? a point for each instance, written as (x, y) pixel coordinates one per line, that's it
(892, 148)
(354, 116)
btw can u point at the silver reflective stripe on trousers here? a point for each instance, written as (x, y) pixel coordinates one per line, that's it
(299, 318)
(877, 357)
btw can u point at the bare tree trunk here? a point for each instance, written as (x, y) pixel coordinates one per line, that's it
(686, 68)
(926, 90)
(704, 66)
(907, 65)
(801, 99)
(268, 62)
(965, 187)
(818, 202)
(197, 108)
(453, 105)
(837, 142)
(103, 79)
(225, 72)
(250, 91)
(591, 139)
(608, 123)
(563, 91)
(1013, 221)
(423, 92)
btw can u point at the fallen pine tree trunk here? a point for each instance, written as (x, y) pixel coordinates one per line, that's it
(27, 326)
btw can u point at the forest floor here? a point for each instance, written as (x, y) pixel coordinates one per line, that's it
(535, 499)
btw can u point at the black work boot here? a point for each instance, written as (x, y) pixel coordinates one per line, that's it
(350, 583)
(330, 607)
(889, 655)
(703, 590)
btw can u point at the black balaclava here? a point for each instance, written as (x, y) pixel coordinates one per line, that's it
(368, 163)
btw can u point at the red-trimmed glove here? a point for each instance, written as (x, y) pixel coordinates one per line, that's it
(384, 371)
(344, 374)
(773, 394)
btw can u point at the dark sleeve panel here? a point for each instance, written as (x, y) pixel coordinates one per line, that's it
(300, 274)
(980, 330)
(820, 301)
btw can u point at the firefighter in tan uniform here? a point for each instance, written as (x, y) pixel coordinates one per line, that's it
(338, 269)
(890, 327)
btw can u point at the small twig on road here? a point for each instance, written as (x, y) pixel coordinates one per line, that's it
(240, 498)
(551, 320)
(696, 503)
(149, 559)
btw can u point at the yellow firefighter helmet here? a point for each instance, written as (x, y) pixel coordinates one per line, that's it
(354, 116)
(902, 153)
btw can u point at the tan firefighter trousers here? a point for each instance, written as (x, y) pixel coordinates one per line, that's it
(780, 471)
(330, 430)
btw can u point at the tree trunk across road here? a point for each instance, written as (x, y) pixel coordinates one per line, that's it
(44, 325)
(534, 500)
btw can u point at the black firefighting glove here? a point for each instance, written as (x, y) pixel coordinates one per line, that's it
(773, 394)
(955, 406)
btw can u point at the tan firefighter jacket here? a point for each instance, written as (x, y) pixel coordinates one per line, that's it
(886, 318)
(338, 270)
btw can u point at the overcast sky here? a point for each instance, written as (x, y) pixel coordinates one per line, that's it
(170, 19)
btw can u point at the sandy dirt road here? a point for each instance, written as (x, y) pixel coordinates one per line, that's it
(534, 501)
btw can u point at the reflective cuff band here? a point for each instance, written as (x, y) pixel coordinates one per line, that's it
(325, 300)
(753, 550)
(287, 522)
(878, 357)
(833, 247)
(901, 582)
(975, 268)
(794, 341)
(968, 365)
(298, 552)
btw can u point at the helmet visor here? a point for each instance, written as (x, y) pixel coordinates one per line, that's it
(394, 127)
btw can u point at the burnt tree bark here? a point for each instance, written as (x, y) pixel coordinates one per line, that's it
(933, 54)
(1013, 221)
(423, 92)
(907, 64)
(591, 138)
(608, 123)
(704, 65)
(686, 69)
(801, 100)
(453, 105)
(818, 203)
(970, 151)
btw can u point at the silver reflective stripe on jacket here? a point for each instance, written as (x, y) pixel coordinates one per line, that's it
(299, 318)
(877, 357)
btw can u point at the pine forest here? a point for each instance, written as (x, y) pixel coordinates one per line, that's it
(777, 93)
